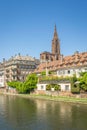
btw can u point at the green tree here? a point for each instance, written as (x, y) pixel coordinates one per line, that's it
(27, 86)
(13, 84)
(75, 88)
(83, 81)
(31, 82)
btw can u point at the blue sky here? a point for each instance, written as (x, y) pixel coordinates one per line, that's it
(27, 26)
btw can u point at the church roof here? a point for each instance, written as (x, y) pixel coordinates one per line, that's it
(76, 60)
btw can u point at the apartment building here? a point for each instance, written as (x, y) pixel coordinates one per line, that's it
(17, 68)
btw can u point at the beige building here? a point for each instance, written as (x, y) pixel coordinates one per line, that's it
(17, 68)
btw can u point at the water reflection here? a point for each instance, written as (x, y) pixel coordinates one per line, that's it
(33, 114)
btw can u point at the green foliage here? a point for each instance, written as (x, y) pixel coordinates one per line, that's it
(48, 87)
(74, 86)
(82, 74)
(55, 86)
(31, 81)
(13, 84)
(21, 88)
(73, 79)
(83, 81)
(27, 86)
(50, 77)
(50, 72)
(43, 73)
(75, 89)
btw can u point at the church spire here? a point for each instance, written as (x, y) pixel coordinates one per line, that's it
(55, 33)
(56, 44)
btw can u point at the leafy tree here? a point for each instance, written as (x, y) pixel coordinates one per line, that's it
(21, 88)
(31, 82)
(75, 88)
(27, 86)
(13, 84)
(83, 81)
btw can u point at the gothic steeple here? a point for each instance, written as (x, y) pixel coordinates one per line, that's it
(55, 33)
(56, 44)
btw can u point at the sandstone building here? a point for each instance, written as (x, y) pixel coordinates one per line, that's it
(55, 53)
(16, 68)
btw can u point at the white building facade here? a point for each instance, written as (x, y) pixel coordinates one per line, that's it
(64, 86)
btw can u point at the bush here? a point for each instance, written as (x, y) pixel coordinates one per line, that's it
(27, 86)
(43, 73)
(83, 81)
(55, 86)
(75, 88)
(48, 87)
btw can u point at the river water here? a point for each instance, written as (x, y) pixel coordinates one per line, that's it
(33, 114)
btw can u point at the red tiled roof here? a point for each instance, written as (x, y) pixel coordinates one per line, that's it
(73, 60)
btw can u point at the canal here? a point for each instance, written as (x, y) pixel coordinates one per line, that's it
(18, 113)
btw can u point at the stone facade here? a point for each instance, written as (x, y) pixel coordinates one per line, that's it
(17, 68)
(55, 52)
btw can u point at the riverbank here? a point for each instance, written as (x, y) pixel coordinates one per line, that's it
(52, 98)
(57, 98)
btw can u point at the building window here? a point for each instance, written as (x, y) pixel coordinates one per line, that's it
(30, 67)
(42, 57)
(42, 87)
(63, 71)
(85, 69)
(68, 72)
(59, 72)
(66, 87)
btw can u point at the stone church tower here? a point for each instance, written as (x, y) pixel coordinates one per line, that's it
(56, 45)
(55, 53)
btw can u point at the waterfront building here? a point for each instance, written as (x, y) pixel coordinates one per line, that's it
(61, 65)
(16, 68)
(64, 86)
(66, 66)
